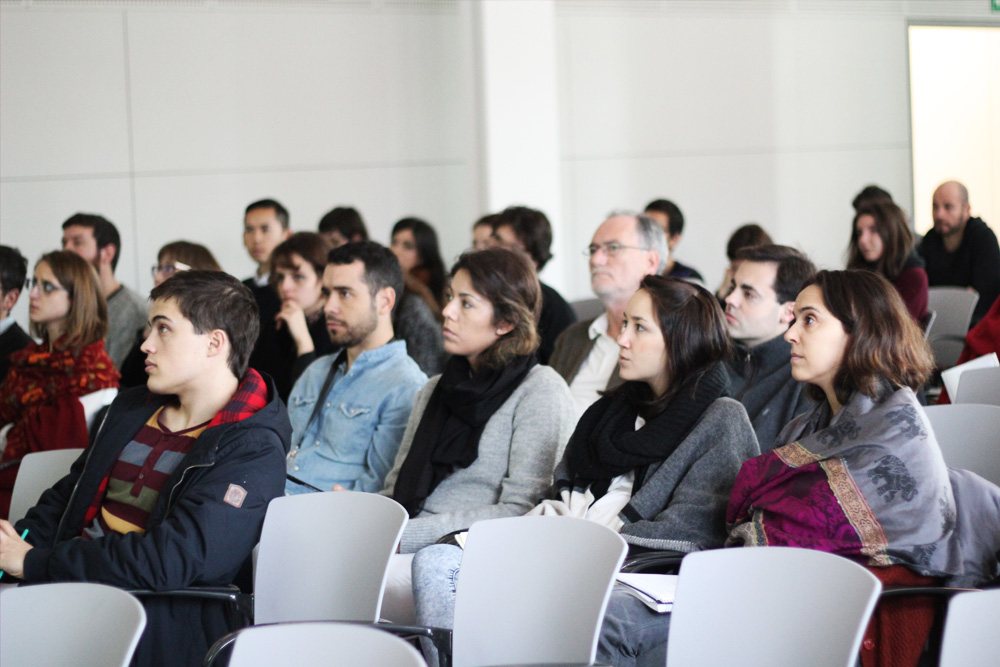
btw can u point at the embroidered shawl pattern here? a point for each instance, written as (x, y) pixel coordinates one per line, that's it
(872, 486)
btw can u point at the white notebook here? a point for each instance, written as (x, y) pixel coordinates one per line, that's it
(656, 591)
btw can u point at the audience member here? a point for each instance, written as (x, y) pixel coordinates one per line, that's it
(669, 217)
(745, 236)
(265, 227)
(348, 411)
(624, 249)
(96, 240)
(341, 225)
(528, 230)
(961, 250)
(482, 232)
(759, 310)
(173, 257)
(40, 397)
(881, 241)
(415, 244)
(173, 490)
(13, 269)
(865, 460)
(655, 458)
(484, 435)
(297, 275)
(871, 194)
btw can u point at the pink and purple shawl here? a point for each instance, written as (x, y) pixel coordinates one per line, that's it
(869, 484)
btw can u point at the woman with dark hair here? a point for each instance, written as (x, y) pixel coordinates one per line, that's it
(653, 459)
(415, 244)
(298, 335)
(865, 461)
(484, 435)
(882, 242)
(172, 258)
(40, 399)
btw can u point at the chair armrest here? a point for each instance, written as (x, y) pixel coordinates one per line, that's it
(654, 562)
(240, 601)
(921, 591)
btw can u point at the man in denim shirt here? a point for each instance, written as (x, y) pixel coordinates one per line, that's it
(349, 411)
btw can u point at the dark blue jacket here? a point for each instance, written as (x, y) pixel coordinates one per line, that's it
(192, 538)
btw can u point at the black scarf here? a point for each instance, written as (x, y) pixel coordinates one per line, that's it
(456, 414)
(605, 443)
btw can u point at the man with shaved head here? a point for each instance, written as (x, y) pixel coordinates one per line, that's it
(961, 250)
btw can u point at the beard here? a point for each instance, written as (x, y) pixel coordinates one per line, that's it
(355, 334)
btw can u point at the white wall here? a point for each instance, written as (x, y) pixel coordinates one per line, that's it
(170, 117)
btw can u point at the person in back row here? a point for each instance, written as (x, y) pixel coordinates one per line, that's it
(173, 488)
(341, 225)
(97, 240)
(759, 310)
(528, 230)
(13, 269)
(484, 435)
(349, 410)
(625, 248)
(670, 218)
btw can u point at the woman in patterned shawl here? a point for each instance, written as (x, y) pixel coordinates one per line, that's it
(39, 399)
(861, 475)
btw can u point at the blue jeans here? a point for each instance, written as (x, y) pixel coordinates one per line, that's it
(435, 579)
(632, 633)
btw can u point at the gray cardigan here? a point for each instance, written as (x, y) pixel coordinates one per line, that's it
(681, 505)
(518, 449)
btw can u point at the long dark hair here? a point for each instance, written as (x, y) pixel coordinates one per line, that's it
(884, 343)
(694, 333)
(897, 239)
(430, 270)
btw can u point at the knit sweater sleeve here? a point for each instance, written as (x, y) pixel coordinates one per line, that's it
(682, 506)
(517, 453)
(912, 287)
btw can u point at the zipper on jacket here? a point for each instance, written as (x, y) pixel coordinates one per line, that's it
(69, 503)
(170, 499)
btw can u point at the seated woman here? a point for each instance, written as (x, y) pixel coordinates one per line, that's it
(653, 459)
(40, 406)
(882, 242)
(484, 436)
(298, 335)
(864, 462)
(173, 257)
(415, 244)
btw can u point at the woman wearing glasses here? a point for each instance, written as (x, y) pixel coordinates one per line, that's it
(173, 257)
(40, 406)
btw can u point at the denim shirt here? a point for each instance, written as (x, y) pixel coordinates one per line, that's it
(354, 439)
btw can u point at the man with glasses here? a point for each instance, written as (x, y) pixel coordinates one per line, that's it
(625, 248)
(97, 240)
(13, 269)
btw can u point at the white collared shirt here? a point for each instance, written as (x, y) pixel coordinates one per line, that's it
(596, 369)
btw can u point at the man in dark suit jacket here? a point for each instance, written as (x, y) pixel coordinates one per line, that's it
(13, 269)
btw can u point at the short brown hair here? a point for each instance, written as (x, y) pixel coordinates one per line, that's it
(194, 255)
(216, 300)
(897, 239)
(87, 319)
(508, 281)
(884, 343)
(310, 246)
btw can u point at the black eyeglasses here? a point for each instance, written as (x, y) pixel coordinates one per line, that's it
(44, 285)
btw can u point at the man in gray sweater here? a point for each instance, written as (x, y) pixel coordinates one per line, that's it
(758, 312)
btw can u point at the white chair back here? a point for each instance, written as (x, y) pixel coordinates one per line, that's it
(981, 385)
(85, 625)
(770, 606)
(953, 306)
(533, 590)
(324, 557)
(38, 472)
(969, 437)
(970, 630)
(321, 644)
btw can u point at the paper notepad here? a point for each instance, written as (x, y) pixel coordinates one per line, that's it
(951, 376)
(656, 591)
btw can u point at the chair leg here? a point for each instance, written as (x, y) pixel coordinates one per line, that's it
(221, 645)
